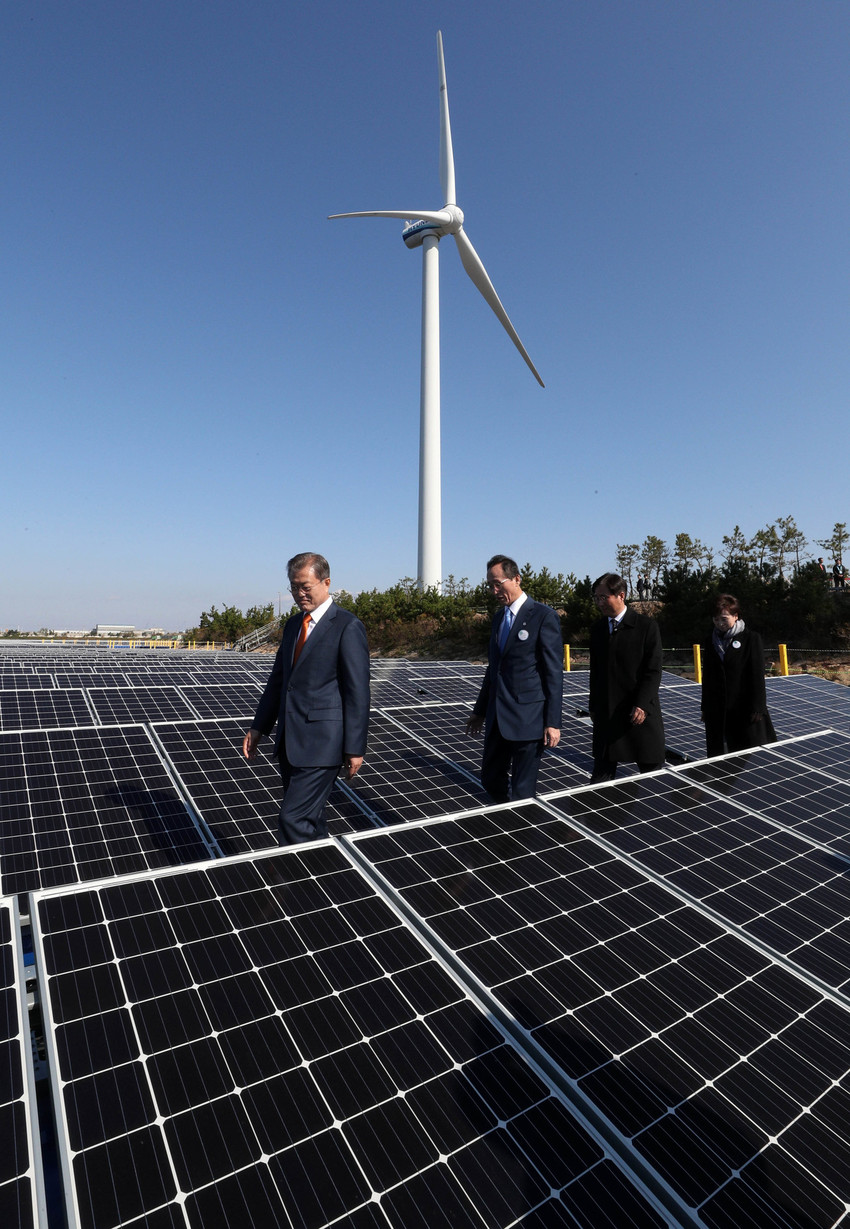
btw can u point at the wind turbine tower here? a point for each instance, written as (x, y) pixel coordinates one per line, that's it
(426, 232)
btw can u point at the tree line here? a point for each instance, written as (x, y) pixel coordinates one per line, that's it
(780, 549)
(783, 592)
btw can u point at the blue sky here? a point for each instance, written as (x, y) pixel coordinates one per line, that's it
(202, 375)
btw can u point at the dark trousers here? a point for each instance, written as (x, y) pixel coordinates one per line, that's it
(606, 770)
(504, 759)
(305, 792)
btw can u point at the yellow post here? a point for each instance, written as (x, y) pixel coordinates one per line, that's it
(697, 663)
(567, 658)
(783, 659)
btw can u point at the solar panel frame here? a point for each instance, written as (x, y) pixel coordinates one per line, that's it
(22, 1194)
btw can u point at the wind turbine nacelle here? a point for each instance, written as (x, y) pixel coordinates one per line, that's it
(414, 234)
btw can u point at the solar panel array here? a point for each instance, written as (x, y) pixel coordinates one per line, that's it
(618, 1005)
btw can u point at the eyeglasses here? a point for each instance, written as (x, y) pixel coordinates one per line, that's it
(294, 589)
(497, 584)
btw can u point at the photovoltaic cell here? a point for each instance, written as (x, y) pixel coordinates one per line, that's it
(720, 1069)
(86, 803)
(238, 800)
(264, 1043)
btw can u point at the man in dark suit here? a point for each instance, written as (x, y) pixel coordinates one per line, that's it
(519, 704)
(318, 693)
(625, 674)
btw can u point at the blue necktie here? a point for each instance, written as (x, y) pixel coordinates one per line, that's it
(505, 628)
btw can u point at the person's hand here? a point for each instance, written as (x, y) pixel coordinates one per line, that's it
(638, 716)
(250, 743)
(551, 736)
(475, 725)
(351, 766)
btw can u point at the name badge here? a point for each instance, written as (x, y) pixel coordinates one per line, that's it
(523, 635)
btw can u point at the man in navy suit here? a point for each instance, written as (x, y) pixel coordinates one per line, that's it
(318, 693)
(519, 704)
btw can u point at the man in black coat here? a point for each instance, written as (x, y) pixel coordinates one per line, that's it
(625, 674)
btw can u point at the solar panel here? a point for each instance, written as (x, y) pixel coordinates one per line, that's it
(775, 886)
(402, 780)
(436, 689)
(81, 804)
(684, 731)
(802, 704)
(21, 1187)
(234, 700)
(778, 785)
(238, 800)
(263, 1042)
(124, 705)
(90, 677)
(443, 728)
(703, 1056)
(829, 751)
(38, 710)
(227, 676)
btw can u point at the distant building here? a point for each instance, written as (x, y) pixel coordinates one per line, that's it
(114, 629)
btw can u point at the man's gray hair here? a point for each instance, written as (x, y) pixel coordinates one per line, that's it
(309, 559)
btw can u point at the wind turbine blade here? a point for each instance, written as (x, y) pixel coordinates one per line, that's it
(472, 263)
(447, 158)
(441, 216)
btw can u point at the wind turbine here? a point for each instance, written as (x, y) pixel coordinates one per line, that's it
(426, 232)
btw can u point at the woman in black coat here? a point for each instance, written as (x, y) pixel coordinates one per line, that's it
(734, 703)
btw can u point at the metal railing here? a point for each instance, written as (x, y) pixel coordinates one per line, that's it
(257, 637)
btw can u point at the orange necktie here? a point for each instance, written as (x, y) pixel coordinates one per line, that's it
(302, 639)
